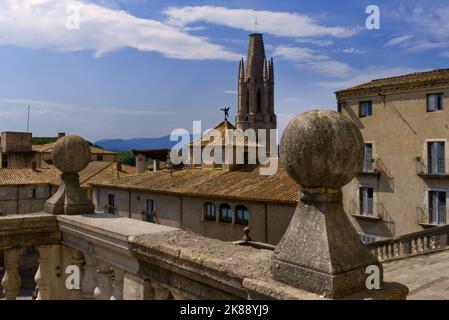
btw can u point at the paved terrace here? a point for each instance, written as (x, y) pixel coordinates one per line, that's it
(426, 276)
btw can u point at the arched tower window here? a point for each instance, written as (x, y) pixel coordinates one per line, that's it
(241, 215)
(259, 101)
(225, 213)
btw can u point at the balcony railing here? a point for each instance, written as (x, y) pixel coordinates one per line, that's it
(438, 169)
(432, 216)
(371, 167)
(371, 212)
(423, 242)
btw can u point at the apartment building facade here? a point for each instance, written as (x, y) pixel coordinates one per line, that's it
(403, 186)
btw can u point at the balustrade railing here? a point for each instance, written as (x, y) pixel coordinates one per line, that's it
(423, 242)
(105, 257)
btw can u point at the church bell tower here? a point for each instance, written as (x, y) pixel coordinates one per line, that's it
(256, 89)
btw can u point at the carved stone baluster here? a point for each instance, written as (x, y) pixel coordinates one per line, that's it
(88, 283)
(178, 296)
(379, 253)
(420, 245)
(117, 291)
(11, 281)
(426, 244)
(103, 290)
(160, 293)
(414, 247)
(41, 276)
(396, 250)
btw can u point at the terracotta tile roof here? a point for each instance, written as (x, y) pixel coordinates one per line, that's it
(48, 148)
(96, 171)
(245, 184)
(411, 81)
(222, 128)
(27, 176)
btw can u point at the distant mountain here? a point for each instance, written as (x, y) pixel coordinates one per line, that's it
(138, 143)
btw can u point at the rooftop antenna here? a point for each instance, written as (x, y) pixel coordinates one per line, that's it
(255, 25)
(28, 120)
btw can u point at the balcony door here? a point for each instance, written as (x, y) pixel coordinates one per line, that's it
(436, 158)
(437, 207)
(368, 161)
(366, 201)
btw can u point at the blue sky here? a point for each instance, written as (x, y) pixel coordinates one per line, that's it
(138, 68)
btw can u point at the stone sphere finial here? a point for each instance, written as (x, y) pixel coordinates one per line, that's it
(322, 149)
(71, 154)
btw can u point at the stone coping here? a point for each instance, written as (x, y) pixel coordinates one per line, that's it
(24, 229)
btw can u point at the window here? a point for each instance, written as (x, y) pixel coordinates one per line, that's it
(436, 158)
(247, 101)
(33, 194)
(241, 215)
(99, 157)
(149, 209)
(437, 207)
(367, 238)
(225, 213)
(259, 101)
(366, 201)
(365, 109)
(5, 163)
(368, 161)
(209, 212)
(435, 102)
(111, 204)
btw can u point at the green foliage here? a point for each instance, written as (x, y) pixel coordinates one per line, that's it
(126, 157)
(43, 140)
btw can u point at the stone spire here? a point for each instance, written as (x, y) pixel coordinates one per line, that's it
(256, 88)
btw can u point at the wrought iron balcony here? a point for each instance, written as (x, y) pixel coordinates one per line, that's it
(371, 167)
(373, 211)
(432, 217)
(438, 170)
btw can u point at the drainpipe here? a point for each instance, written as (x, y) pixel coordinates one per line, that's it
(129, 204)
(266, 222)
(17, 200)
(180, 212)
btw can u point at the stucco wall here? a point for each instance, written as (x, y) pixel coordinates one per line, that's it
(20, 199)
(398, 130)
(267, 222)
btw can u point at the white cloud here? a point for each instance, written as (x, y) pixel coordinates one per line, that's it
(282, 24)
(398, 41)
(232, 92)
(364, 75)
(47, 107)
(42, 24)
(316, 42)
(312, 59)
(352, 51)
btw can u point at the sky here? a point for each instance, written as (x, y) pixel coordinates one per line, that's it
(142, 68)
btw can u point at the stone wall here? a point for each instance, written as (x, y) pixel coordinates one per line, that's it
(19, 199)
(268, 222)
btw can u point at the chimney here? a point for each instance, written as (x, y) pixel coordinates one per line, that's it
(155, 165)
(61, 135)
(119, 168)
(34, 165)
(140, 164)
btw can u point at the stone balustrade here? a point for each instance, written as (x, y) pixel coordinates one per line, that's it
(122, 258)
(418, 243)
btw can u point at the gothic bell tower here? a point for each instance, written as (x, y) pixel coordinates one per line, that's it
(256, 89)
